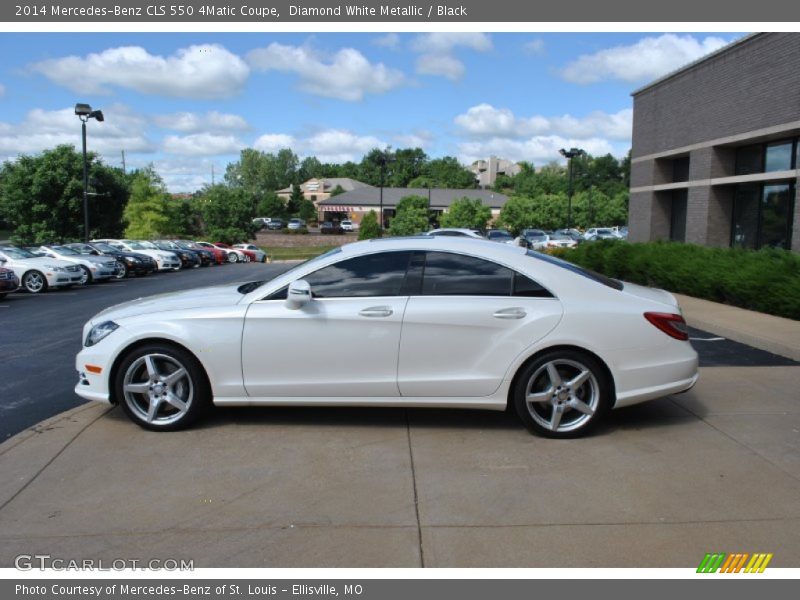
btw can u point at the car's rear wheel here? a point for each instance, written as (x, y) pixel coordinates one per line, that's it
(34, 282)
(162, 388)
(562, 394)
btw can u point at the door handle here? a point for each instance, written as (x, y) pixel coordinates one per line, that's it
(376, 311)
(510, 313)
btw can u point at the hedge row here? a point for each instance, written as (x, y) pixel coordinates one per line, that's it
(766, 280)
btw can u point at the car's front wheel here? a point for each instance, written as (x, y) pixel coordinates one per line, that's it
(162, 388)
(121, 271)
(86, 276)
(34, 282)
(233, 257)
(562, 394)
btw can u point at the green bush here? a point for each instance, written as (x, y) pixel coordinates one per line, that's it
(766, 280)
(369, 229)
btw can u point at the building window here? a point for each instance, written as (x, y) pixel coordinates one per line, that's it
(762, 216)
(749, 159)
(680, 169)
(677, 220)
(778, 157)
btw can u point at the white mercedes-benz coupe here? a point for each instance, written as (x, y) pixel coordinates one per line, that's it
(410, 322)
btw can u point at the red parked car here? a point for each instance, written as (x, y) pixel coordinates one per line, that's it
(220, 255)
(243, 254)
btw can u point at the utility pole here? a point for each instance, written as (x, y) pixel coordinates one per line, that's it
(124, 172)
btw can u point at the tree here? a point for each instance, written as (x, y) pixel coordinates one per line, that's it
(408, 164)
(447, 172)
(369, 228)
(546, 211)
(147, 213)
(272, 206)
(226, 213)
(295, 201)
(41, 197)
(337, 190)
(307, 211)
(184, 218)
(466, 212)
(310, 168)
(411, 216)
(258, 173)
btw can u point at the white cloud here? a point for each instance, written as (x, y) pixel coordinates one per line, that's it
(417, 139)
(534, 47)
(486, 121)
(273, 142)
(346, 75)
(338, 146)
(441, 64)
(390, 40)
(537, 149)
(210, 122)
(647, 59)
(202, 144)
(45, 129)
(437, 52)
(206, 71)
(186, 174)
(427, 43)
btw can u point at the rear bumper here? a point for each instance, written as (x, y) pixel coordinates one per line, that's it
(671, 372)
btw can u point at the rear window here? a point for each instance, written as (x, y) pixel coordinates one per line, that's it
(588, 273)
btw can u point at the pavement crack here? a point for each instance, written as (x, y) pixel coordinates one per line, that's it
(416, 494)
(52, 460)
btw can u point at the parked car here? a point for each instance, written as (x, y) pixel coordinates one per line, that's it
(500, 235)
(207, 257)
(261, 222)
(572, 233)
(455, 232)
(9, 282)
(228, 256)
(348, 225)
(260, 255)
(535, 239)
(329, 227)
(560, 240)
(220, 255)
(93, 268)
(275, 224)
(166, 261)
(130, 263)
(242, 255)
(296, 224)
(439, 322)
(38, 273)
(599, 233)
(189, 258)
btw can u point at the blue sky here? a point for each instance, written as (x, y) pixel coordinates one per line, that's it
(187, 101)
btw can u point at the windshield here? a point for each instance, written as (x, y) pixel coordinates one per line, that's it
(499, 235)
(65, 250)
(148, 245)
(17, 253)
(607, 281)
(533, 233)
(134, 246)
(104, 248)
(184, 245)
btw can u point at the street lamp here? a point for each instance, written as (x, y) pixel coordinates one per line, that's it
(569, 155)
(85, 112)
(383, 159)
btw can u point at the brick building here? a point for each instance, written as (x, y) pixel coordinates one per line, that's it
(715, 148)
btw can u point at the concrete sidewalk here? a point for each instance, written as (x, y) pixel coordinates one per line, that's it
(659, 485)
(766, 332)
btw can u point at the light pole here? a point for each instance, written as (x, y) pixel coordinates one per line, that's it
(85, 112)
(569, 155)
(383, 159)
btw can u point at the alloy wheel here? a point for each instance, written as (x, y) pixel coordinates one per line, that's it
(158, 389)
(34, 282)
(562, 395)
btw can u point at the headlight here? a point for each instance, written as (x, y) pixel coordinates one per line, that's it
(131, 260)
(55, 268)
(99, 331)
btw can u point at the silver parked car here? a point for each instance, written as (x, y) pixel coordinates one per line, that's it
(93, 268)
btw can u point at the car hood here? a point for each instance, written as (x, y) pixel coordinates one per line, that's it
(38, 261)
(649, 293)
(222, 295)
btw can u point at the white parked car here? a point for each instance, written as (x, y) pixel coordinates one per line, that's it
(560, 240)
(348, 225)
(411, 322)
(166, 261)
(38, 273)
(296, 224)
(261, 256)
(93, 268)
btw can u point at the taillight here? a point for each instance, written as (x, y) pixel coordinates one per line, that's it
(671, 324)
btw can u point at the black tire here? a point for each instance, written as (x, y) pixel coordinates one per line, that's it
(581, 401)
(233, 257)
(192, 387)
(34, 282)
(87, 274)
(122, 271)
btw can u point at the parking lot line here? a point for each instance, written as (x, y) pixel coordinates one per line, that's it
(712, 339)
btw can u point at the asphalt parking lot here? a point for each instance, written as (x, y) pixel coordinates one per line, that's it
(659, 485)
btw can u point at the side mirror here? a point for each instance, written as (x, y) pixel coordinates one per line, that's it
(298, 294)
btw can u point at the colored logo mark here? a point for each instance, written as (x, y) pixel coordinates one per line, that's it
(734, 563)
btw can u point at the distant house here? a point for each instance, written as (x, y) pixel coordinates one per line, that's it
(319, 189)
(486, 171)
(355, 204)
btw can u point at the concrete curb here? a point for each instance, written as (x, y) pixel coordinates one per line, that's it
(766, 332)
